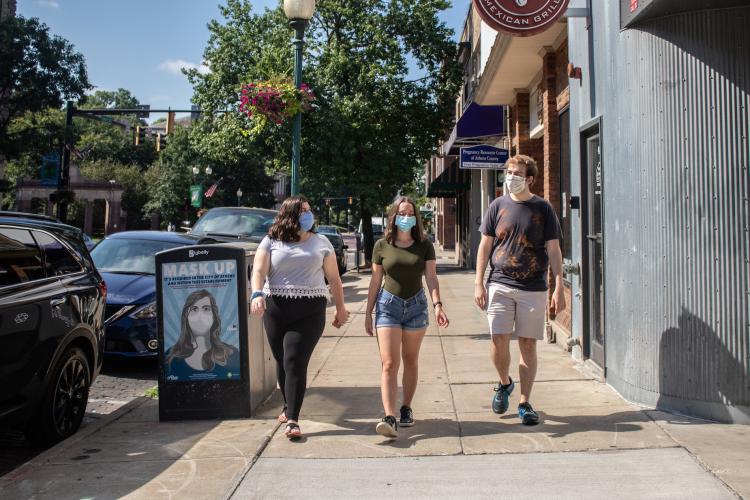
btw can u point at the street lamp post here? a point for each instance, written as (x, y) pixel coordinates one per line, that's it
(239, 197)
(299, 13)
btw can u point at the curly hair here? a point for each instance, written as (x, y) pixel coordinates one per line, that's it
(286, 227)
(417, 232)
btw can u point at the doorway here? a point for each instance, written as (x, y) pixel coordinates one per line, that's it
(592, 244)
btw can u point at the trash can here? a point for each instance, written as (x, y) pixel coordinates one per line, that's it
(214, 359)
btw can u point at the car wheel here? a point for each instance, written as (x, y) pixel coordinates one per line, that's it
(64, 403)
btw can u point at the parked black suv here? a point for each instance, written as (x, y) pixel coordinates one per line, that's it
(52, 301)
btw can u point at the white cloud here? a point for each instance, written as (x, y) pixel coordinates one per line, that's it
(175, 66)
(49, 3)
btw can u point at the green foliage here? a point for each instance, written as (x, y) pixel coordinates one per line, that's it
(132, 180)
(40, 71)
(104, 141)
(376, 122)
(168, 180)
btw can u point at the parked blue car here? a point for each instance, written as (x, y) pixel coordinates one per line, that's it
(126, 262)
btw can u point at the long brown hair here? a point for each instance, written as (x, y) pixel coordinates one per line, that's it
(417, 232)
(218, 352)
(286, 227)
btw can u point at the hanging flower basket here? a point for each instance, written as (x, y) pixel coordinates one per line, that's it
(272, 102)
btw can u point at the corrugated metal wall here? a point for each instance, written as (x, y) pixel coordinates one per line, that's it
(674, 98)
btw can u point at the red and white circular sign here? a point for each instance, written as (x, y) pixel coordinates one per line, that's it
(520, 17)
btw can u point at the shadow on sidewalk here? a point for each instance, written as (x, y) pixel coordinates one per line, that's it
(354, 411)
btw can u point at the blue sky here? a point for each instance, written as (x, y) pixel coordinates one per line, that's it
(140, 45)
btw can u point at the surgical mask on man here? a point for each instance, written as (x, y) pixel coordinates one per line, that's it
(515, 183)
(306, 221)
(406, 222)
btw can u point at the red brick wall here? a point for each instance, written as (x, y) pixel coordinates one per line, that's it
(446, 236)
(524, 145)
(551, 137)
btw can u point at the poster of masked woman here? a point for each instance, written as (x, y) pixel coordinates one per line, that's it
(201, 327)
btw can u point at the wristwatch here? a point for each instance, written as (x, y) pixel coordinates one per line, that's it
(256, 294)
(438, 303)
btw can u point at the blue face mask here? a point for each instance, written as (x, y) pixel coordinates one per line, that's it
(406, 222)
(306, 221)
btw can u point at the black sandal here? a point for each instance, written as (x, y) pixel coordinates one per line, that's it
(289, 432)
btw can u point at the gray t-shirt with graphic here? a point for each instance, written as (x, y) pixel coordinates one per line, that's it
(520, 230)
(297, 267)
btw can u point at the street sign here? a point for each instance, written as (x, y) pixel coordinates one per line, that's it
(483, 157)
(50, 169)
(196, 195)
(146, 110)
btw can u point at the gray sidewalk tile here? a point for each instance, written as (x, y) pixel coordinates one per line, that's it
(642, 474)
(333, 437)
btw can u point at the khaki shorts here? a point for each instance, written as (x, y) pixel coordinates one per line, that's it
(510, 310)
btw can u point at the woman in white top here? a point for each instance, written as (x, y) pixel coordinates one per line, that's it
(288, 282)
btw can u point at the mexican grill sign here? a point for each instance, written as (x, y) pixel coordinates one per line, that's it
(520, 17)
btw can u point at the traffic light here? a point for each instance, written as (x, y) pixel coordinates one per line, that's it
(140, 135)
(170, 123)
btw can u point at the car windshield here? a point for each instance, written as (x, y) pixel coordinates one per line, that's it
(229, 222)
(335, 239)
(327, 230)
(120, 255)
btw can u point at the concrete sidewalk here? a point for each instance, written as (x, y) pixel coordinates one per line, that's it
(590, 444)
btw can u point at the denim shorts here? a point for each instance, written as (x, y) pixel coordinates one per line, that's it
(408, 314)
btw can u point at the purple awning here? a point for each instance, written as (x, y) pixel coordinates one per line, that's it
(477, 122)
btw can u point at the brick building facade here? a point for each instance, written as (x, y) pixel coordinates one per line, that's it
(528, 77)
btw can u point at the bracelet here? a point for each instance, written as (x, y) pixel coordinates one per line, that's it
(438, 303)
(256, 294)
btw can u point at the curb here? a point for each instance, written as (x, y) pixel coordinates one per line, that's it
(23, 471)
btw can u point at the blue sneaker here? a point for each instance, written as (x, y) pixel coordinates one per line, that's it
(500, 400)
(527, 414)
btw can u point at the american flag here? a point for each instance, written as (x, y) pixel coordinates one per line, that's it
(210, 191)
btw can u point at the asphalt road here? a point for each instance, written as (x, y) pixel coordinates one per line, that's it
(121, 382)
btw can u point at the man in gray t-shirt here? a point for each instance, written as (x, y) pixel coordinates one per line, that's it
(521, 237)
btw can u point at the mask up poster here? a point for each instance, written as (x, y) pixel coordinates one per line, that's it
(200, 321)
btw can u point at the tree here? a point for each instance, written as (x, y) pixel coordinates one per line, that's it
(40, 71)
(108, 142)
(376, 122)
(132, 180)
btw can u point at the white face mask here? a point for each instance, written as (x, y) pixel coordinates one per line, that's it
(515, 183)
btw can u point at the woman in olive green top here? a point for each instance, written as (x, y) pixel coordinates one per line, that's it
(403, 255)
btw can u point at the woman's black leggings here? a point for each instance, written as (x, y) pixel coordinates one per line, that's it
(293, 327)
